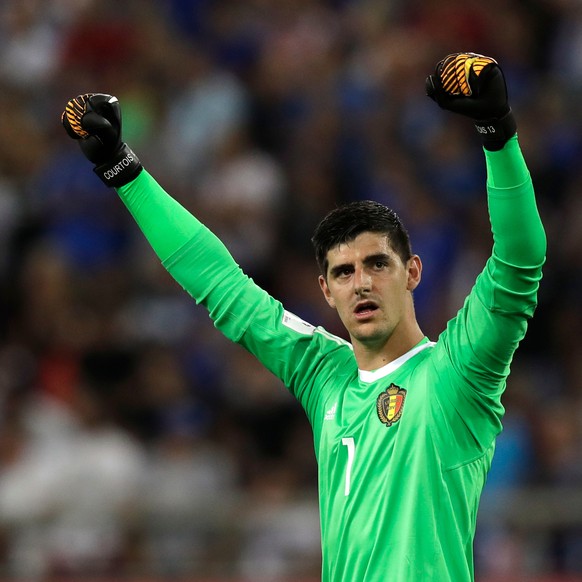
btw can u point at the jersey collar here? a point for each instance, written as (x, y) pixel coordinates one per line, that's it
(373, 375)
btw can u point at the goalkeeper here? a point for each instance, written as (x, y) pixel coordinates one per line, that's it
(404, 427)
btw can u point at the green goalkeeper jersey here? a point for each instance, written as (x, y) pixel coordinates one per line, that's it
(403, 451)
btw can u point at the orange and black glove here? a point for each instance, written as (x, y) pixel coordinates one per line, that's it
(95, 120)
(474, 85)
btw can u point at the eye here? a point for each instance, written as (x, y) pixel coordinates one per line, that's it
(342, 272)
(379, 265)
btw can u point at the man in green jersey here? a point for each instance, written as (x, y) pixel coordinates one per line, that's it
(404, 428)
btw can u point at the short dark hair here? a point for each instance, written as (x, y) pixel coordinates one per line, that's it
(345, 223)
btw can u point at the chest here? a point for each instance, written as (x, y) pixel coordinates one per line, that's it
(374, 437)
(380, 417)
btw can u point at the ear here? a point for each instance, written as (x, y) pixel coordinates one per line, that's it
(414, 267)
(326, 292)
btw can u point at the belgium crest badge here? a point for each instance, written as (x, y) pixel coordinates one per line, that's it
(390, 404)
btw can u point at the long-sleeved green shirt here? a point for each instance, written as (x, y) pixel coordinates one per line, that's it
(403, 452)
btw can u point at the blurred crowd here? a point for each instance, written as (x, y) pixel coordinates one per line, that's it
(136, 439)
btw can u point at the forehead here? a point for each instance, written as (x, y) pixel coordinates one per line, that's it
(364, 245)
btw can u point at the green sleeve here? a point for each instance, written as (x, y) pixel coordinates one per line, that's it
(493, 321)
(295, 351)
(518, 233)
(167, 225)
(193, 255)
(476, 349)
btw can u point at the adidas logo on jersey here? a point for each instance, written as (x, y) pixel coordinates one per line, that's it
(330, 414)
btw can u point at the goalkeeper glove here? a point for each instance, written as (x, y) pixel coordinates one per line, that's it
(95, 120)
(474, 85)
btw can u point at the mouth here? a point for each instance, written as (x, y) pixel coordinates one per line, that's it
(365, 309)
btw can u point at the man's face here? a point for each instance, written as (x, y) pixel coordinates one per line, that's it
(370, 287)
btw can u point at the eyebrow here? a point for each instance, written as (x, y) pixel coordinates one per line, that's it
(370, 259)
(377, 257)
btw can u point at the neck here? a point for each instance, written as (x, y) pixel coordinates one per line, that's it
(372, 355)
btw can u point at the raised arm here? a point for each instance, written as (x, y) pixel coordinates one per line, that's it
(474, 86)
(483, 337)
(195, 257)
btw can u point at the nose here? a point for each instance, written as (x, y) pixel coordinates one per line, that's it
(362, 281)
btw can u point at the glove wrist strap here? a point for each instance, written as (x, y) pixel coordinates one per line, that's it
(495, 132)
(123, 167)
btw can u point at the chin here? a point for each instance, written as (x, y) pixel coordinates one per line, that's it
(372, 335)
